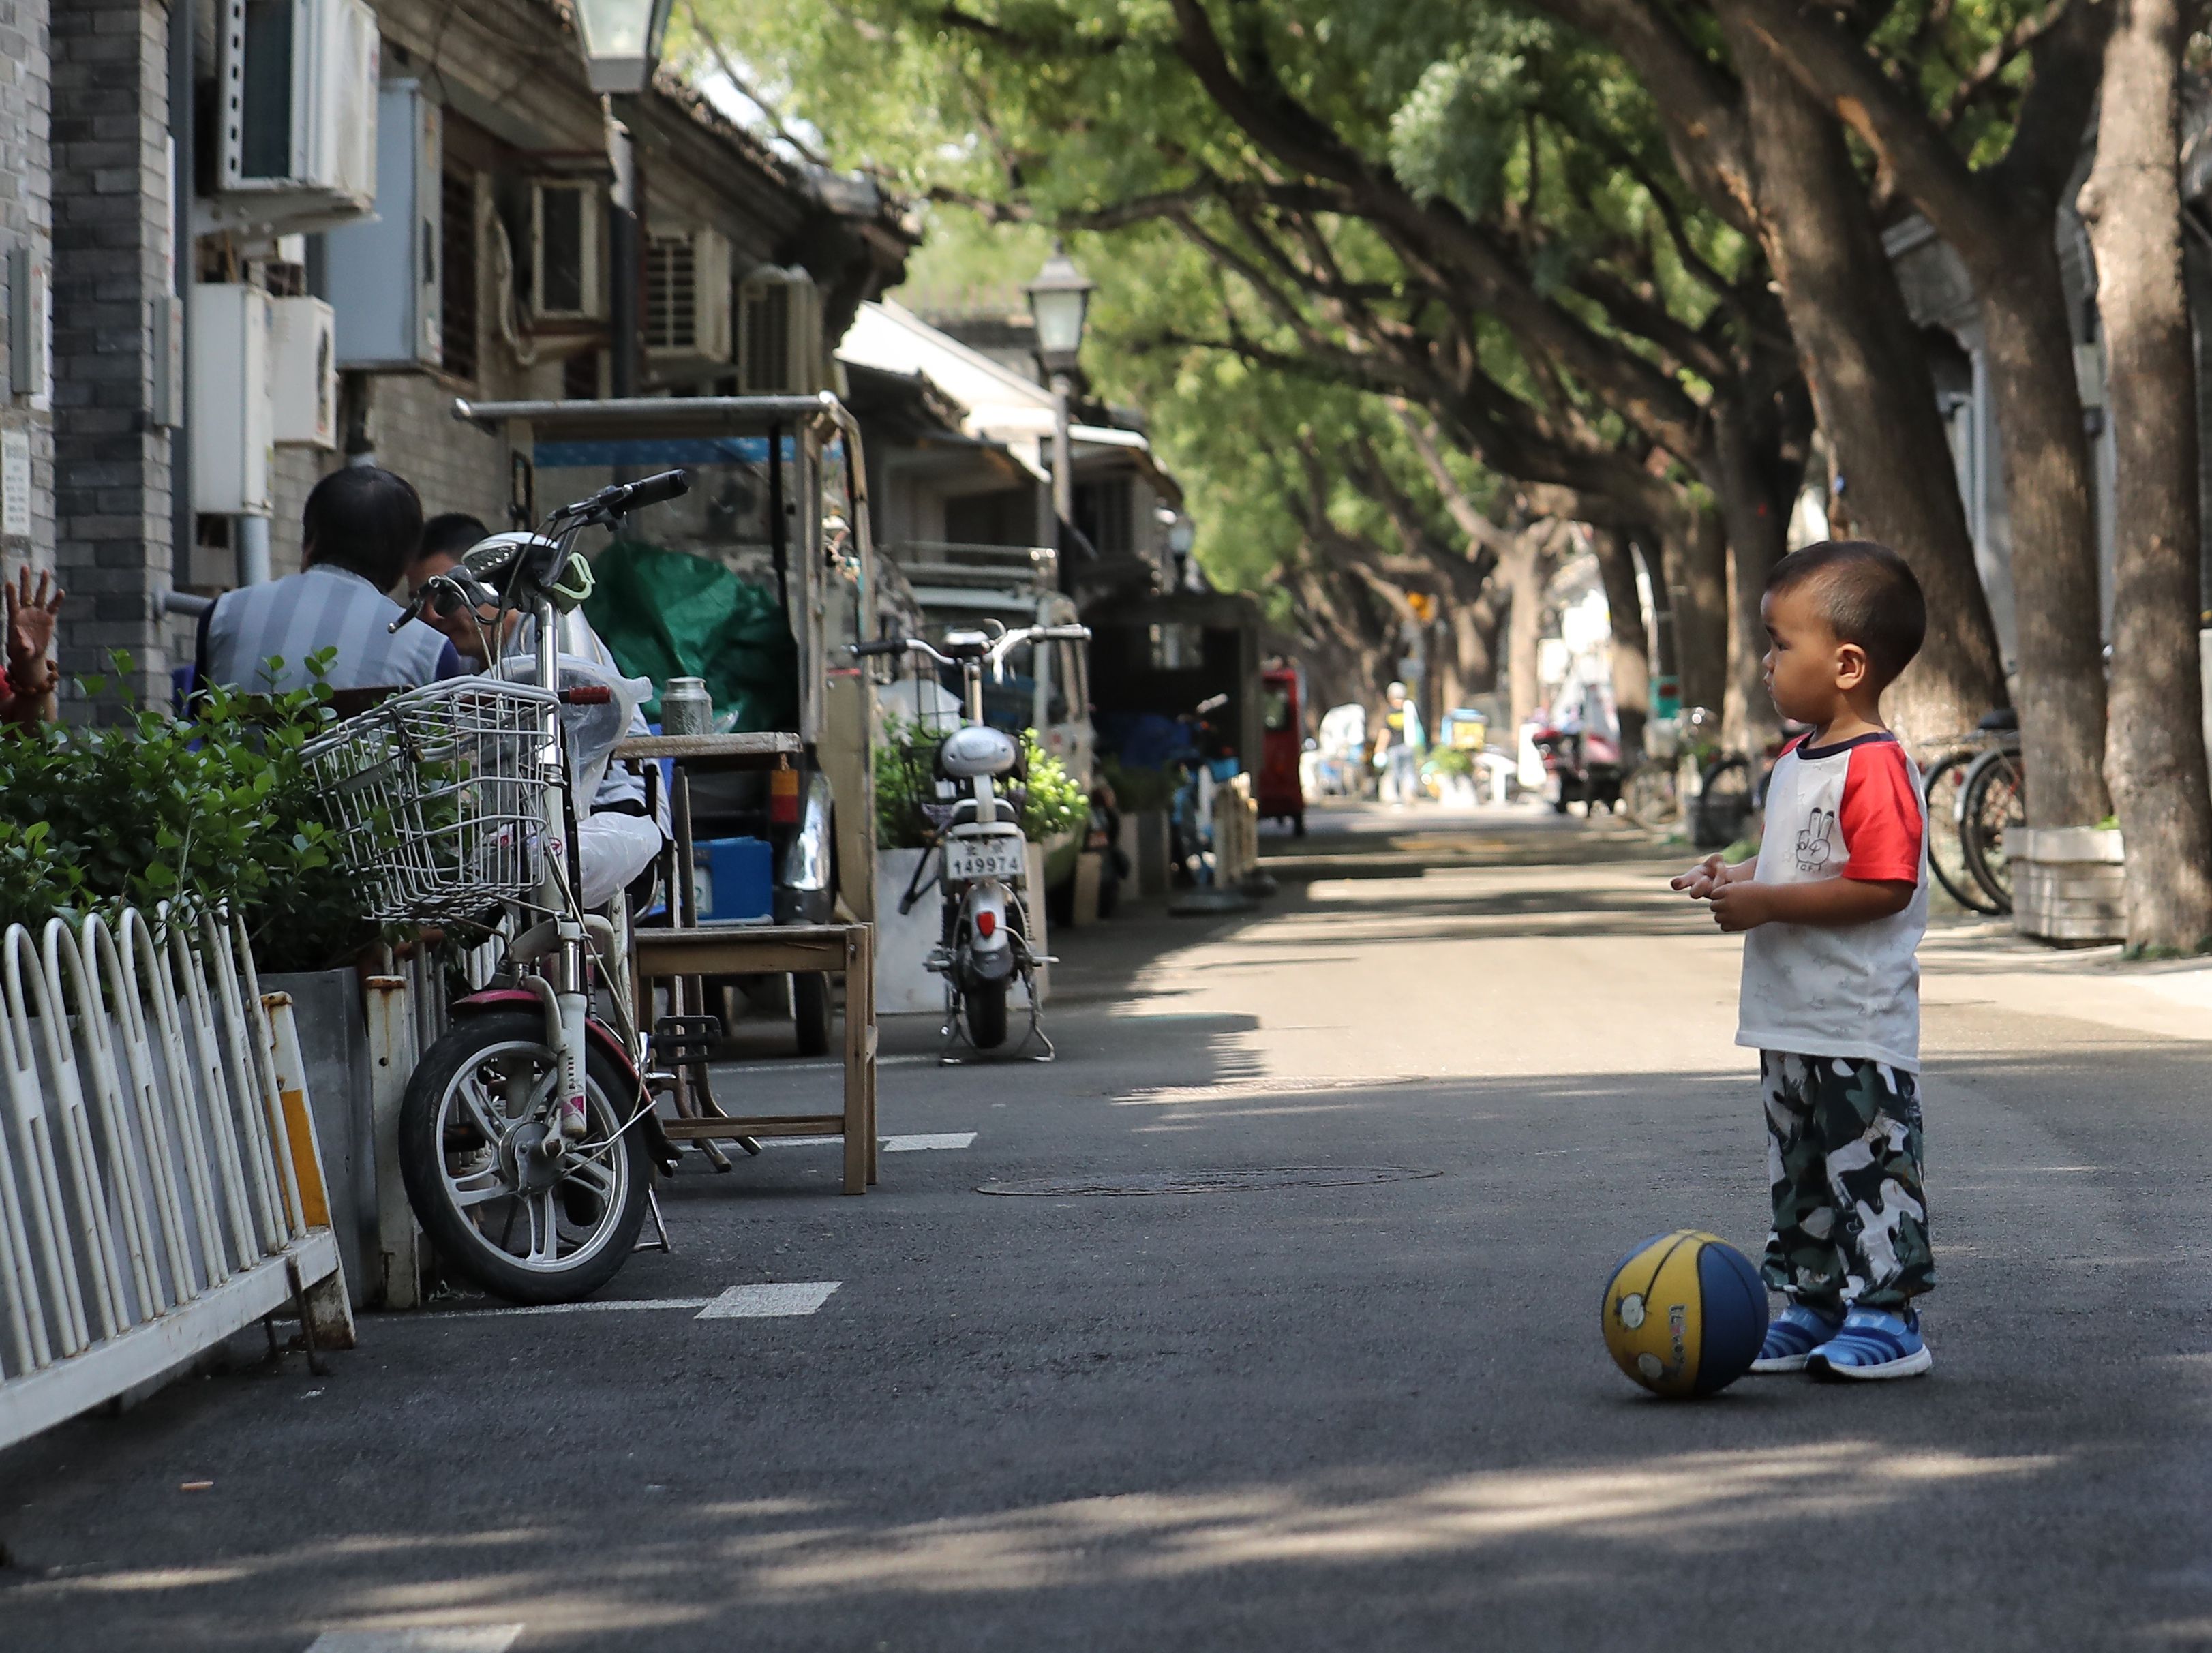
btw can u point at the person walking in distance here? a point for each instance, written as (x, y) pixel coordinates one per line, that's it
(1831, 913)
(1398, 745)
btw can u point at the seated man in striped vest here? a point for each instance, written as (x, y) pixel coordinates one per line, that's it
(359, 531)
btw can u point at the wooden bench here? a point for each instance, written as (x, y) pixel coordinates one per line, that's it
(687, 951)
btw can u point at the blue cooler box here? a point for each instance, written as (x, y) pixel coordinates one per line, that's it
(734, 880)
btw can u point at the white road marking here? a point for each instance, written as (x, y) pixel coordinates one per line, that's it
(763, 1302)
(589, 1306)
(458, 1638)
(889, 1144)
(834, 1065)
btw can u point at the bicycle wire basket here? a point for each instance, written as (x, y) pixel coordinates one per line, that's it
(438, 796)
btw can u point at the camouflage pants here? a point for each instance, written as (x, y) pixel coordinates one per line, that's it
(1843, 1153)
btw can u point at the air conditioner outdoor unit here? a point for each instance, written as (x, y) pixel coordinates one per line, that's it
(384, 274)
(297, 108)
(233, 412)
(780, 333)
(565, 222)
(303, 373)
(687, 295)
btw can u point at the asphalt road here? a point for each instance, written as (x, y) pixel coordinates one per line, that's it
(1376, 1415)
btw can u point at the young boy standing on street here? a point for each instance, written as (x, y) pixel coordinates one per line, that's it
(1831, 913)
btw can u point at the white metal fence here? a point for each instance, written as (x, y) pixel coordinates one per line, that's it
(159, 1183)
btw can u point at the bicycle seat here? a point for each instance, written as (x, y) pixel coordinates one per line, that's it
(2003, 721)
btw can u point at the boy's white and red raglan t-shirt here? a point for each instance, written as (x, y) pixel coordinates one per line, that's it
(1851, 810)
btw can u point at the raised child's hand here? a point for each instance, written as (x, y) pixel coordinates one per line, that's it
(30, 618)
(1701, 880)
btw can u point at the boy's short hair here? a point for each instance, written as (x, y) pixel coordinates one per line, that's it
(365, 520)
(1869, 595)
(451, 533)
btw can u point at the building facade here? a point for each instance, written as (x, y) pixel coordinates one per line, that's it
(213, 296)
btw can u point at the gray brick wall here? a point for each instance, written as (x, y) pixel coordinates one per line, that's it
(26, 220)
(112, 498)
(455, 467)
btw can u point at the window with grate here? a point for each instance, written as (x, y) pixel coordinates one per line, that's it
(671, 294)
(580, 377)
(1102, 513)
(458, 292)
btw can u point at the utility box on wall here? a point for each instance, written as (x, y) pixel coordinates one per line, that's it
(303, 372)
(384, 277)
(233, 415)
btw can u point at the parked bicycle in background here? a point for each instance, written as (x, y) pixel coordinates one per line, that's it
(1974, 799)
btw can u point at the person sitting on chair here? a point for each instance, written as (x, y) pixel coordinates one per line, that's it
(359, 530)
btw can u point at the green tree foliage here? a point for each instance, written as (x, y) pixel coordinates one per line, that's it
(1502, 243)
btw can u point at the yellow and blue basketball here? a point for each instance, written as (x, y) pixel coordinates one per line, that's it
(1685, 1314)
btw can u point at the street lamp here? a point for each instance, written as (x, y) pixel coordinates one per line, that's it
(1059, 298)
(621, 40)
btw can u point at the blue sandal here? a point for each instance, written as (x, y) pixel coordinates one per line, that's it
(1791, 1336)
(1873, 1344)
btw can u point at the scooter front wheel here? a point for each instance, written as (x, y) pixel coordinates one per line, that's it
(984, 1006)
(525, 1223)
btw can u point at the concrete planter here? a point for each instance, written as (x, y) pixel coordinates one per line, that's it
(1145, 840)
(334, 1044)
(1089, 871)
(2068, 884)
(904, 982)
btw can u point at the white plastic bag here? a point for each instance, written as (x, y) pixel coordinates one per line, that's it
(612, 849)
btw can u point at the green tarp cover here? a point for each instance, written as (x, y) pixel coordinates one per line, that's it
(669, 614)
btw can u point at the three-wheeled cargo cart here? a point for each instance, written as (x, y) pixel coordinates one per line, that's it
(756, 580)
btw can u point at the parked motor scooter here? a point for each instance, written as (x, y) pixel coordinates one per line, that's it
(980, 857)
(1582, 766)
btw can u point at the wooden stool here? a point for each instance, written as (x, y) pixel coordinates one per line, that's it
(845, 950)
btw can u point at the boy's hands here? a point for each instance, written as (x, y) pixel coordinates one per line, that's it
(1742, 904)
(1701, 880)
(1739, 902)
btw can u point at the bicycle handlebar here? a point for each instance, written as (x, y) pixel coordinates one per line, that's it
(626, 497)
(1000, 646)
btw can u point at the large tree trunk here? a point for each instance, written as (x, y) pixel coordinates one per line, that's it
(2133, 205)
(1525, 571)
(2054, 533)
(1631, 645)
(1871, 385)
(1694, 557)
(1755, 505)
(1475, 629)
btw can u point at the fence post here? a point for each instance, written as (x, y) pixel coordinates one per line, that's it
(392, 1063)
(326, 1305)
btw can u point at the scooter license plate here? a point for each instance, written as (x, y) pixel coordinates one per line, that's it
(984, 857)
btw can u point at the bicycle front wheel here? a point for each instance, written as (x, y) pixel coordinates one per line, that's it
(1650, 796)
(1944, 793)
(1725, 803)
(1991, 805)
(524, 1224)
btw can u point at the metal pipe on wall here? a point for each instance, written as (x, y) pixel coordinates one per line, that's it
(252, 551)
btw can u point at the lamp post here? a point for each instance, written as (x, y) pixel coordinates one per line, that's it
(621, 40)
(1059, 296)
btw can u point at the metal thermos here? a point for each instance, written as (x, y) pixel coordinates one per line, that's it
(686, 709)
